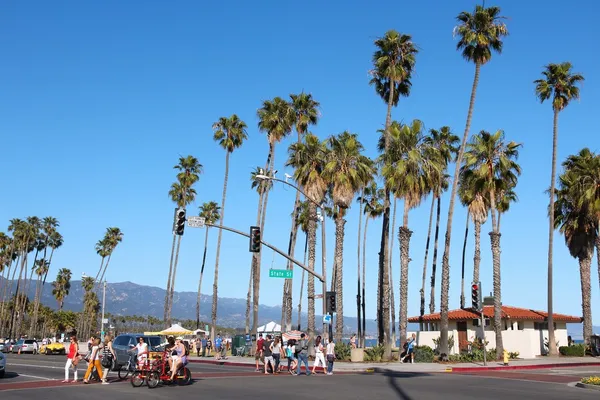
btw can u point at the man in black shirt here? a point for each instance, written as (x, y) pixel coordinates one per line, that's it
(268, 353)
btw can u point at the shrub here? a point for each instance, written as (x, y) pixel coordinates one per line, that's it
(423, 354)
(343, 351)
(577, 350)
(437, 344)
(591, 380)
(474, 356)
(374, 353)
(513, 355)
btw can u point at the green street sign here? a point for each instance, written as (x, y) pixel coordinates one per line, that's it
(281, 273)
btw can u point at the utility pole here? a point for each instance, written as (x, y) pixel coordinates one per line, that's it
(103, 303)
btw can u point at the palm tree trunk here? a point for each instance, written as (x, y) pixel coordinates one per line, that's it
(446, 256)
(216, 278)
(435, 253)
(248, 299)
(252, 268)
(392, 297)
(364, 276)
(166, 311)
(172, 285)
(495, 241)
(477, 252)
(358, 314)
(383, 314)
(200, 281)
(586, 295)
(324, 265)
(404, 235)
(462, 280)
(286, 317)
(97, 283)
(422, 307)
(49, 265)
(100, 270)
(552, 350)
(597, 252)
(33, 320)
(339, 283)
(13, 319)
(312, 240)
(302, 285)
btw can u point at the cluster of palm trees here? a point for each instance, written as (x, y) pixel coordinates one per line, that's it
(412, 165)
(32, 235)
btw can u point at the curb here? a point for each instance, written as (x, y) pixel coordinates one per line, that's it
(586, 386)
(514, 367)
(224, 362)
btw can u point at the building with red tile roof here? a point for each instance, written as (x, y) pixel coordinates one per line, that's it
(523, 330)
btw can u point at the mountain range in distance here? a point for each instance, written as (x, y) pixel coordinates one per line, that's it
(128, 298)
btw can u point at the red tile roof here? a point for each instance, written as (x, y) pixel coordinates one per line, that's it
(508, 312)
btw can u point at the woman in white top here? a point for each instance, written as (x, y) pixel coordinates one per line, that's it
(330, 357)
(94, 361)
(142, 352)
(276, 351)
(319, 357)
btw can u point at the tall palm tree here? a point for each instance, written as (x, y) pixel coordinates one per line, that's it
(181, 193)
(302, 221)
(306, 113)
(373, 202)
(262, 186)
(87, 283)
(479, 33)
(393, 64)
(575, 219)
(230, 133)
(41, 267)
(407, 169)
(276, 118)
(346, 170)
(493, 161)
(308, 161)
(560, 83)
(61, 286)
(443, 146)
(112, 238)
(210, 211)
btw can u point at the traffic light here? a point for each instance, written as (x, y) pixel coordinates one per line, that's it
(179, 221)
(255, 239)
(330, 302)
(476, 295)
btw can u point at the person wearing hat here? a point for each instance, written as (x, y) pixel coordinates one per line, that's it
(177, 356)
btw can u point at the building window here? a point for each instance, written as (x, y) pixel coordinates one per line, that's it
(542, 326)
(520, 325)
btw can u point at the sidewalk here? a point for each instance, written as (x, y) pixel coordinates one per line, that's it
(537, 363)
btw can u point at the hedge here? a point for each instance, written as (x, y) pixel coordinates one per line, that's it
(577, 350)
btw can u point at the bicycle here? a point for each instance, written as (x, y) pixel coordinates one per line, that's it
(128, 368)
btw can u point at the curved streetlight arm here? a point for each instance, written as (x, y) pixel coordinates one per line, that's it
(262, 177)
(275, 249)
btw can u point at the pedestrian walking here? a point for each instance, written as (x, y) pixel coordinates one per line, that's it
(208, 346)
(319, 356)
(94, 361)
(290, 352)
(258, 354)
(330, 356)
(204, 342)
(72, 359)
(410, 353)
(268, 353)
(108, 357)
(302, 354)
(198, 344)
(353, 341)
(276, 350)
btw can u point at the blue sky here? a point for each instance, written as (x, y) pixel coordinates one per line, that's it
(100, 99)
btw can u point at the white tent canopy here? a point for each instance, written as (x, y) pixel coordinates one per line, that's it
(200, 332)
(176, 329)
(270, 327)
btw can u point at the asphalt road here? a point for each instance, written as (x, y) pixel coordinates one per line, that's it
(41, 373)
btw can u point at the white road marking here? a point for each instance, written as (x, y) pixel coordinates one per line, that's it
(37, 366)
(38, 377)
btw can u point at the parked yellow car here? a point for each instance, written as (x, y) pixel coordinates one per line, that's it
(53, 348)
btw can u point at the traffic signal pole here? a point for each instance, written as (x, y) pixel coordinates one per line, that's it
(275, 249)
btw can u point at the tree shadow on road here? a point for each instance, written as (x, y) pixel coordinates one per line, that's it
(393, 378)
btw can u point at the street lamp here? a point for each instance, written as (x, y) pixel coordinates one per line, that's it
(320, 217)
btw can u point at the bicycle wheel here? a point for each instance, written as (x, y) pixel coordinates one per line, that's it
(123, 372)
(137, 379)
(184, 376)
(152, 380)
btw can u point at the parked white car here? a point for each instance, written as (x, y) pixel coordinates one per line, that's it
(2, 364)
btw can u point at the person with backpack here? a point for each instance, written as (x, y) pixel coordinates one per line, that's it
(108, 357)
(330, 356)
(302, 354)
(290, 353)
(268, 353)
